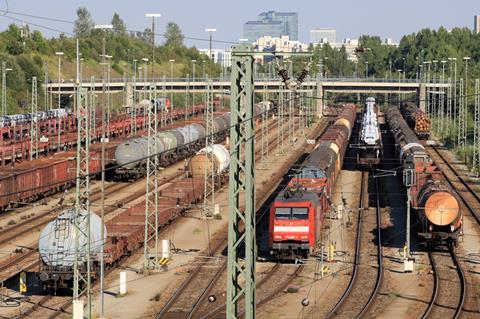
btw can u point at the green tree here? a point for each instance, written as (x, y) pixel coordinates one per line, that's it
(173, 35)
(119, 26)
(84, 23)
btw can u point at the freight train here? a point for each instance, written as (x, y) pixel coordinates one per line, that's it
(125, 232)
(59, 133)
(416, 119)
(297, 213)
(28, 181)
(172, 145)
(436, 204)
(370, 140)
(14, 119)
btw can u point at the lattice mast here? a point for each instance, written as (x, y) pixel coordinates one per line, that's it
(34, 123)
(209, 170)
(82, 262)
(476, 130)
(151, 255)
(241, 271)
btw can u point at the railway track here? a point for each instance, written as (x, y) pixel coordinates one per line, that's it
(266, 288)
(183, 304)
(60, 307)
(367, 273)
(65, 305)
(28, 257)
(448, 295)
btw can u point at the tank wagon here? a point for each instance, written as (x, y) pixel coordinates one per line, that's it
(436, 204)
(57, 248)
(173, 145)
(201, 163)
(416, 119)
(125, 232)
(370, 140)
(15, 130)
(298, 212)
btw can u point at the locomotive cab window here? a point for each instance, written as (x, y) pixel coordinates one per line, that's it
(291, 213)
(310, 173)
(282, 213)
(299, 213)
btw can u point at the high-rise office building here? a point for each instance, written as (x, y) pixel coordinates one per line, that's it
(476, 24)
(323, 36)
(273, 24)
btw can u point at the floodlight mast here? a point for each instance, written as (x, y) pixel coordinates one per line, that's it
(152, 38)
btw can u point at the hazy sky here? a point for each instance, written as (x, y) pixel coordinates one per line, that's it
(351, 18)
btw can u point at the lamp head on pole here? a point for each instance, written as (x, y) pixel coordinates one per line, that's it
(103, 26)
(59, 53)
(153, 15)
(210, 30)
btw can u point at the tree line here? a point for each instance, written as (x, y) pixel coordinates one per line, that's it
(28, 53)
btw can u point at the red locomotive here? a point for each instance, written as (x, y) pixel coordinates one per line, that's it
(297, 214)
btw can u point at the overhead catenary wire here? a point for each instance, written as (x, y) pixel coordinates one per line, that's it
(7, 13)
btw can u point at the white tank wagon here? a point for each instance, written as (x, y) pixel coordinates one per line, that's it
(57, 247)
(201, 162)
(370, 140)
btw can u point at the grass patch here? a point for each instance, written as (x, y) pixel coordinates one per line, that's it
(196, 231)
(11, 222)
(119, 295)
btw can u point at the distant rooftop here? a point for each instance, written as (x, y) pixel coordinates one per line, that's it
(278, 13)
(263, 22)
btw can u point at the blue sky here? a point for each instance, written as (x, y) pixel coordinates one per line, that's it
(351, 18)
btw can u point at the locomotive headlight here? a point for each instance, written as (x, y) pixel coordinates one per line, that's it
(452, 228)
(304, 237)
(430, 228)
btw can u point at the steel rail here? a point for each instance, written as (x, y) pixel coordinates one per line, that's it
(356, 261)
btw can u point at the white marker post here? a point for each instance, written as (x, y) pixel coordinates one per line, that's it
(78, 309)
(123, 282)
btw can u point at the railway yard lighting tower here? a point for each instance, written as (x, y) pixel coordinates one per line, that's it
(210, 31)
(464, 111)
(134, 98)
(4, 87)
(366, 69)
(193, 81)
(109, 98)
(152, 38)
(145, 77)
(103, 140)
(59, 55)
(59, 120)
(172, 61)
